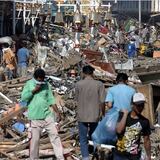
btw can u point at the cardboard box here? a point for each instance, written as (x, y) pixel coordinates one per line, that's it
(156, 54)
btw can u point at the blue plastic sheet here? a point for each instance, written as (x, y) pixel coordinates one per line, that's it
(105, 133)
(19, 126)
(131, 50)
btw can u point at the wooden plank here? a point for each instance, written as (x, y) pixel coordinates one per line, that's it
(158, 111)
(4, 147)
(109, 67)
(149, 107)
(66, 144)
(6, 155)
(8, 143)
(15, 85)
(151, 76)
(139, 70)
(17, 80)
(12, 133)
(91, 54)
(25, 145)
(17, 148)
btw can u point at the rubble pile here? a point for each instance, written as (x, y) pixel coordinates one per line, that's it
(102, 54)
(14, 133)
(15, 126)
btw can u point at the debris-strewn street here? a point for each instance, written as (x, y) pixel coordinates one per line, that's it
(62, 45)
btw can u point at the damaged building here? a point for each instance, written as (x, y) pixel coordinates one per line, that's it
(63, 66)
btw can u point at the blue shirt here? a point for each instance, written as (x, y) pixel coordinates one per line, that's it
(131, 50)
(121, 96)
(22, 55)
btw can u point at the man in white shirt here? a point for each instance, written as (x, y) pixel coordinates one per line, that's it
(137, 41)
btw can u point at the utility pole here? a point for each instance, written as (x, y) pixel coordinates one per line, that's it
(77, 23)
(140, 12)
(14, 18)
(24, 16)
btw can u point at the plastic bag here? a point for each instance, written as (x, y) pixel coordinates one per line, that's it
(143, 155)
(105, 133)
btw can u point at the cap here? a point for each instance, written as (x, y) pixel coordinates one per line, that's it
(138, 98)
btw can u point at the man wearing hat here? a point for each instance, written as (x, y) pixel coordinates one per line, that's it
(130, 127)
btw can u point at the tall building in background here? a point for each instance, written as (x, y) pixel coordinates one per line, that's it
(131, 7)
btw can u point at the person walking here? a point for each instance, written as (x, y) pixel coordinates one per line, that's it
(42, 52)
(9, 61)
(90, 96)
(130, 127)
(120, 95)
(38, 95)
(119, 38)
(131, 48)
(23, 58)
(137, 41)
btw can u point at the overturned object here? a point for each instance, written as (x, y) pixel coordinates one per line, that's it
(125, 66)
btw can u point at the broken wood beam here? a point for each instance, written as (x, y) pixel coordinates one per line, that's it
(8, 156)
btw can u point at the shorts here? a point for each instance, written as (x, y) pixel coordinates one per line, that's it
(8, 73)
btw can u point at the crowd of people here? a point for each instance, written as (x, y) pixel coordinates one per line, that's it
(14, 63)
(15, 59)
(92, 103)
(131, 41)
(92, 99)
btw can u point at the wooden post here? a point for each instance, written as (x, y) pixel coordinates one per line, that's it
(14, 18)
(158, 111)
(148, 112)
(24, 16)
